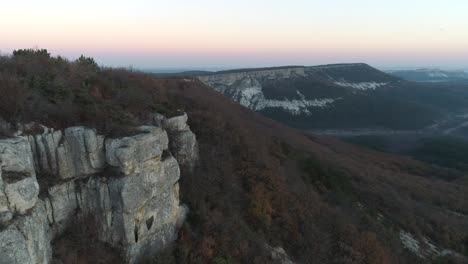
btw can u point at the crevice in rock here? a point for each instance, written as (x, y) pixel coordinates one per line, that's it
(135, 231)
(78, 195)
(149, 223)
(166, 154)
(48, 154)
(52, 211)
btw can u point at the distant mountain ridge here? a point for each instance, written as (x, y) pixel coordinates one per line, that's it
(430, 75)
(337, 96)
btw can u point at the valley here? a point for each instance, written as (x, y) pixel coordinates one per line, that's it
(361, 105)
(342, 97)
(452, 125)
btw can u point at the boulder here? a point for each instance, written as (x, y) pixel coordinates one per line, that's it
(21, 194)
(19, 187)
(176, 124)
(16, 156)
(183, 143)
(130, 154)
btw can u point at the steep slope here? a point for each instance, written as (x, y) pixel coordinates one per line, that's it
(259, 186)
(340, 96)
(379, 194)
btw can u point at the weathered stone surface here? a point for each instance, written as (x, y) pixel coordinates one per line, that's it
(183, 143)
(26, 240)
(63, 203)
(13, 249)
(22, 194)
(18, 185)
(42, 164)
(79, 151)
(5, 213)
(35, 230)
(96, 204)
(131, 153)
(86, 149)
(137, 210)
(15, 156)
(176, 124)
(184, 146)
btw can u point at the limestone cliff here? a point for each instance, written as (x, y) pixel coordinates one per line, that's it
(128, 186)
(297, 91)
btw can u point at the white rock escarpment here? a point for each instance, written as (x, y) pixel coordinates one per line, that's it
(127, 186)
(361, 85)
(296, 91)
(246, 89)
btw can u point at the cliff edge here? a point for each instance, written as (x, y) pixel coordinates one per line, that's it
(126, 188)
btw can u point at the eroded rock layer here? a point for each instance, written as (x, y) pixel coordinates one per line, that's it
(126, 188)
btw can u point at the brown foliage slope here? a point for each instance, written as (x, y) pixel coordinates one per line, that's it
(258, 178)
(258, 182)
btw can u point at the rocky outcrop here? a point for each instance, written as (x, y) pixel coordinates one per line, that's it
(297, 92)
(18, 185)
(251, 88)
(125, 188)
(77, 152)
(278, 255)
(183, 143)
(131, 154)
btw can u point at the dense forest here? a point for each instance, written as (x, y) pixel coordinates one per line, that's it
(444, 151)
(259, 184)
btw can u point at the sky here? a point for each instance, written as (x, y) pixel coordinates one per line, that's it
(207, 34)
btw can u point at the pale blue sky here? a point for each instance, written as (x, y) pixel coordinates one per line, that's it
(240, 33)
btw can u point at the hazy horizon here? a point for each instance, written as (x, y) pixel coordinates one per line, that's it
(219, 34)
(214, 69)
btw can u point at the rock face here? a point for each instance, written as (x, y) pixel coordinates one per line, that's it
(183, 143)
(18, 184)
(131, 154)
(26, 239)
(125, 188)
(77, 152)
(297, 93)
(250, 88)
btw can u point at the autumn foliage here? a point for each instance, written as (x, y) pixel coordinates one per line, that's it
(258, 184)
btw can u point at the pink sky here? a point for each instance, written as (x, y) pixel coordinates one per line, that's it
(208, 33)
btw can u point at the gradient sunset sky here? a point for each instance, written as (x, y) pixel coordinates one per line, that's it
(241, 33)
